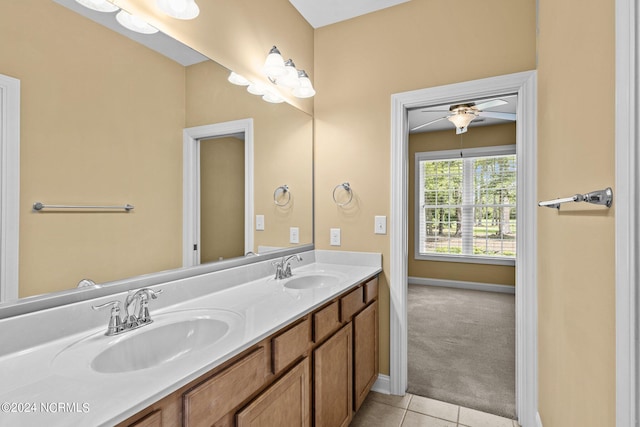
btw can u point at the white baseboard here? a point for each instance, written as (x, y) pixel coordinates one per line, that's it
(475, 286)
(382, 384)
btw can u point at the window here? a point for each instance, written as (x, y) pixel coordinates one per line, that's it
(466, 206)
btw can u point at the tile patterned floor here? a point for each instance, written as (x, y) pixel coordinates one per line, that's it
(381, 410)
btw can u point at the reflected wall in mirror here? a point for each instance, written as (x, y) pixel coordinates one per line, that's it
(101, 124)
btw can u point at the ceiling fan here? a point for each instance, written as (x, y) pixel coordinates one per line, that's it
(463, 114)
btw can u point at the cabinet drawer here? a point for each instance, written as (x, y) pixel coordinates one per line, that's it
(154, 419)
(351, 304)
(211, 400)
(326, 321)
(290, 345)
(371, 290)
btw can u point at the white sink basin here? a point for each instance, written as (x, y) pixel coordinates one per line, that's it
(312, 281)
(155, 346)
(172, 336)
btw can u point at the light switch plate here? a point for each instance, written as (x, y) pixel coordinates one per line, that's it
(260, 222)
(334, 237)
(380, 226)
(294, 235)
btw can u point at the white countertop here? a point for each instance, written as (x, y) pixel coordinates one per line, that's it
(53, 383)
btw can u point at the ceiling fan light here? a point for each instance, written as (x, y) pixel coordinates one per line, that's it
(274, 64)
(99, 5)
(461, 120)
(133, 23)
(179, 9)
(237, 79)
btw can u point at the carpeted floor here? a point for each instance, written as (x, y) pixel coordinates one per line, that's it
(462, 347)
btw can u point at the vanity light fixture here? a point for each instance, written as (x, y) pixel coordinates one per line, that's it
(133, 23)
(257, 89)
(285, 74)
(237, 79)
(179, 9)
(99, 5)
(272, 97)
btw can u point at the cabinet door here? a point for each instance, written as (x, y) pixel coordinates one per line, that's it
(154, 419)
(365, 352)
(332, 370)
(285, 404)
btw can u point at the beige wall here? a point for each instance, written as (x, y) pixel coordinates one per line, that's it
(75, 150)
(576, 288)
(283, 144)
(360, 63)
(482, 136)
(221, 198)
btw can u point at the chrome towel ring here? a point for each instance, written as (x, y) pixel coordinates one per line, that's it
(282, 190)
(346, 187)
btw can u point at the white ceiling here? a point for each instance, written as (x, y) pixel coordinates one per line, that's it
(319, 13)
(418, 116)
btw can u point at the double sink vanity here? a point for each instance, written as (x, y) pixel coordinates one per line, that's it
(237, 346)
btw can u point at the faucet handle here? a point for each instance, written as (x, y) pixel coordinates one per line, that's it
(115, 323)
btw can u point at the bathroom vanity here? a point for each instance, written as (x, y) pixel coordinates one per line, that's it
(233, 347)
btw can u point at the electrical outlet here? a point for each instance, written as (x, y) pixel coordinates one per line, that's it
(380, 226)
(334, 237)
(294, 235)
(260, 222)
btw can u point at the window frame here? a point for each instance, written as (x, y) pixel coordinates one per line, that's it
(465, 153)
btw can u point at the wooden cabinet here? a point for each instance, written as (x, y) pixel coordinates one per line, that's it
(365, 353)
(315, 372)
(208, 402)
(285, 404)
(332, 369)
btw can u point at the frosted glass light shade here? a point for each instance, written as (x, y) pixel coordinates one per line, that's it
(305, 88)
(257, 89)
(461, 120)
(274, 64)
(272, 97)
(134, 23)
(180, 9)
(290, 79)
(99, 5)
(237, 79)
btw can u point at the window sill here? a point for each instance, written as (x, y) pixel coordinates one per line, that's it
(466, 259)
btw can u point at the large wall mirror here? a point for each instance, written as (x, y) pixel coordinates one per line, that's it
(101, 122)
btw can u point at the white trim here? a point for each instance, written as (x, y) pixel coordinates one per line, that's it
(538, 420)
(9, 186)
(191, 184)
(524, 84)
(381, 385)
(627, 232)
(459, 284)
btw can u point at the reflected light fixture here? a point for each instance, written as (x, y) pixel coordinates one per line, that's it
(285, 74)
(133, 23)
(461, 120)
(99, 5)
(237, 79)
(257, 89)
(272, 97)
(179, 9)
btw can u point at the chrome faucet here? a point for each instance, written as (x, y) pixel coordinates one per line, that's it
(283, 267)
(129, 320)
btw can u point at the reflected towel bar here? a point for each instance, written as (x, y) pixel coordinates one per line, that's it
(599, 197)
(38, 206)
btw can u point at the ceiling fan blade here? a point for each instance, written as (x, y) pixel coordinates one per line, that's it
(496, 115)
(427, 124)
(491, 104)
(436, 111)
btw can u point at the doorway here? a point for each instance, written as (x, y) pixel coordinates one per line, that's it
(524, 85)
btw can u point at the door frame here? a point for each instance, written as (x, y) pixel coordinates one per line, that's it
(9, 186)
(523, 84)
(627, 209)
(191, 184)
